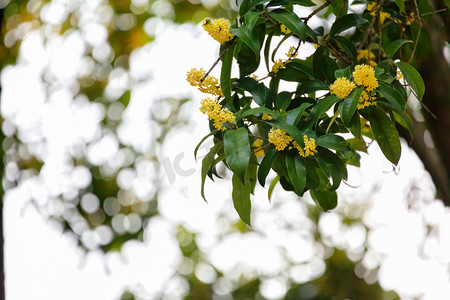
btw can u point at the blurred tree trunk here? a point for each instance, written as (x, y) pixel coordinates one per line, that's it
(435, 71)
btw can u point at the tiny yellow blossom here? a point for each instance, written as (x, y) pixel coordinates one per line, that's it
(292, 53)
(366, 100)
(316, 46)
(299, 149)
(215, 112)
(209, 86)
(258, 145)
(399, 75)
(218, 29)
(277, 66)
(342, 87)
(365, 75)
(266, 117)
(372, 7)
(279, 138)
(310, 146)
(384, 16)
(284, 29)
(368, 56)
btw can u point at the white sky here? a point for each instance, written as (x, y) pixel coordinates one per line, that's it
(41, 263)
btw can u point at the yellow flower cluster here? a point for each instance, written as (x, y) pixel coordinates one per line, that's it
(258, 145)
(310, 147)
(366, 99)
(214, 110)
(218, 29)
(368, 56)
(279, 138)
(266, 117)
(365, 75)
(292, 53)
(209, 86)
(342, 87)
(284, 29)
(399, 75)
(372, 7)
(279, 64)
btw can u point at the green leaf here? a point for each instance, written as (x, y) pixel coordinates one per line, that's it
(266, 165)
(267, 50)
(326, 200)
(319, 62)
(346, 73)
(250, 36)
(412, 77)
(296, 71)
(201, 142)
(311, 86)
(355, 125)
(350, 105)
(237, 150)
(246, 6)
(207, 163)
(241, 198)
(346, 22)
(257, 110)
(283, 100)
(332, 166)
(258, 90)
(293, 131)
(294, 115)
(332, 141)
(347, 45)
(401, 5)
(392, 96)
(340, 7)
(305, 3)
(247, 59)
(225, 75)
(297, 173)
(406, 121)
(322, 106)
(272, 186)
(358, 144)
(393, 47)
(291, 21)
(385, 134)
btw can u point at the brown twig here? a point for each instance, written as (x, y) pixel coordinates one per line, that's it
(227, 47)
(372, 23)
(316, 11)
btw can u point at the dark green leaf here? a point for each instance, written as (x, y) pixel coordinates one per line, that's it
(241, 199)
(225, 75)
(392, 96)
(291, 21)
(347, 45)
(393, 47)
(201, 142)
(258, 90)
(385, 134)
(311, 86)
(357, 144)
(246, 6)
(272, 186)
(355, 125)
(326, 200)
(283, 100)
(406, 121)
(293, 131)
(296, 71)
(319, 62)
(247, 59)
(237, 150)
(350, 105)
(401, 5)
(346, 73)
(322, 106)
(266, 165)
(412, 77)
(294, 115)
(340, 7)
(346, 22)
(297, 173)
(332, 141)
(286, 2)
(206, 165)
(248, 37)
(257, 110)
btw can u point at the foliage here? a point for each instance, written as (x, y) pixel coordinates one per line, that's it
(354, 74)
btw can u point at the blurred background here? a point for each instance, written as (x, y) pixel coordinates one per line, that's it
(101, 192)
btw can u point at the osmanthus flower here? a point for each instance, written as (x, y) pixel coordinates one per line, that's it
(210, 85)
(267, 117)
(310, 147)
(284, 29)
(279, 138)
(372, 7)
(366, 99)
(342, 87)
(292, 53)
(218, 29)
(214, 111)
(365, 75)
(259, 151)
(399, 75)
(368, 56)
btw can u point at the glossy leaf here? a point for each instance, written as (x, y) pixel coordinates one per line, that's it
(297, 173)
(392, 96)
(346, 22)
(206, 165)
(241, 198)
(283, 100)
(326, 200)
(311, 86)
(393, 47)
(257, 110)
(322, 106)
(294, 115)
(332, 141)
(412, 77)
(401, 5)
(272, 186)
(291, 21)
(355, 125)
(350, 104)
(305, 3)
(347, 45)
(385, 134)
(340, 7)
(225, 75)
(248, 36)
(266, 165)
(237, 150)
(201, 142)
